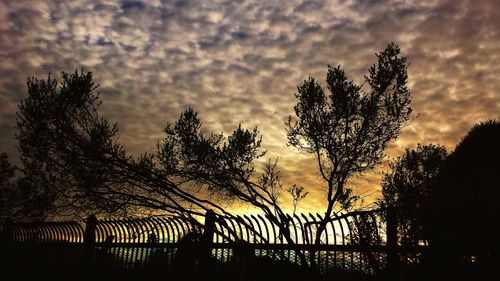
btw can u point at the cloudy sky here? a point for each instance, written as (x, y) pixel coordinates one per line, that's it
(241, 61)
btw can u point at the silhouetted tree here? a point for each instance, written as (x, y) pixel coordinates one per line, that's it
(464, 204)
(66, 145)
(348, 130)
(408, 187)
(298, 194)
(7, 171)
(20, 198)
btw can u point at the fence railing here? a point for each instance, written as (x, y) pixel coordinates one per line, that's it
(141, 243)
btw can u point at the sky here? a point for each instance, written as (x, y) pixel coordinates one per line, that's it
(240, 62)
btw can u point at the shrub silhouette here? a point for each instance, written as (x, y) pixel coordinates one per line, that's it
(464, 212)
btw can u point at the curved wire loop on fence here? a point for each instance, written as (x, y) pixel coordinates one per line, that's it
(341, 229)
(63, 231)
(302, 229)
(344, 242)
(144, 230)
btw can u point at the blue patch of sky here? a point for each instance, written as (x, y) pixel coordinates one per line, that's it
(127, 5)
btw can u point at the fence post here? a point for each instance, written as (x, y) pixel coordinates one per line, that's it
(208, 236)
(392, 243)
(89, 238)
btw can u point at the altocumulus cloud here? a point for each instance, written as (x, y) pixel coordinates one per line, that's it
(240, 62)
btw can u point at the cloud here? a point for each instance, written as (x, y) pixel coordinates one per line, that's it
(240, 62)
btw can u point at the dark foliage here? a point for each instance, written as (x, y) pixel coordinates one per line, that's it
(7, 172)
(74, 156)
(66, 146)
(464, 207)
(73, 151)
(348, 130)
(21, 197)
(408, 188)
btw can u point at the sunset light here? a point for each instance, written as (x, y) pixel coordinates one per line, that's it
(385, 113)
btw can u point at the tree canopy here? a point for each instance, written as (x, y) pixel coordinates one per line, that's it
(21, 197)
(348, 129)
(464, 205)
(408, 187)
